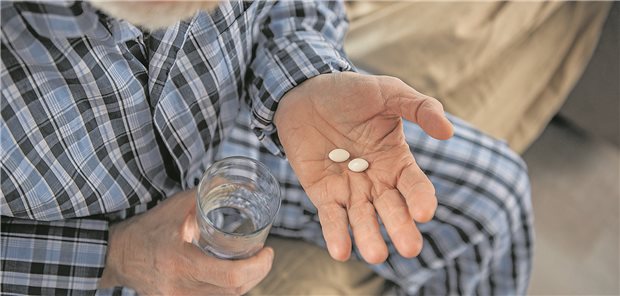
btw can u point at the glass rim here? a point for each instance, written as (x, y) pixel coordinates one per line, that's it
(261, 167)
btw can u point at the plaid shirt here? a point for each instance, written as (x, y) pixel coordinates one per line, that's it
(101, 120)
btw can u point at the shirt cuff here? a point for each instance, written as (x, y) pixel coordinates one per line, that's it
(56, 257)
(285, 63)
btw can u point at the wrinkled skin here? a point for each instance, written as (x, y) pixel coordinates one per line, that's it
(362, 114)
(152, 253)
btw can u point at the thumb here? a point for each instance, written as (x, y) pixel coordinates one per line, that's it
(261, 275)
(189, 228)
(423, 110)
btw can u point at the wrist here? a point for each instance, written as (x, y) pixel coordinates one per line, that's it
(112, 272)
(304, 91)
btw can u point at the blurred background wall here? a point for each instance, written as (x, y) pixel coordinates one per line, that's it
(505, 67)
(575, 171)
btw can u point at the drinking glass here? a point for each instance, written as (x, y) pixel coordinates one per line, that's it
(237, 201)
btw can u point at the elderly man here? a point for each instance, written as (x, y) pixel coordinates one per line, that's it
(112, 111)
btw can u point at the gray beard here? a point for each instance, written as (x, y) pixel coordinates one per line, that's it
(153, 15)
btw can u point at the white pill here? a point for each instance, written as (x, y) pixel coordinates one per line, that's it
(358, 165)
(339, 155)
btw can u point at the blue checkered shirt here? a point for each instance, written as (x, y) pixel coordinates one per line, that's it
(101, 120)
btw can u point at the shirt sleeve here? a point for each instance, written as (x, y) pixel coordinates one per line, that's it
(51, 258)
(296, 41)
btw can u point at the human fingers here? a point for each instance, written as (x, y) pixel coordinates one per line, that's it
(334, 222)
(215, 290)
(366, 232)
(414, 106)
(394, 213)
(229, 273)
(418, 191)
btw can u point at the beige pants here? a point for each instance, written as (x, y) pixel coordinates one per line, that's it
(301, 268)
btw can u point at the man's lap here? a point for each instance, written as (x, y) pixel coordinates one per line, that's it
(484, 211)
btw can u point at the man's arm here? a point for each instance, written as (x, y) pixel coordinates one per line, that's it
(297, 41)
(151, 253)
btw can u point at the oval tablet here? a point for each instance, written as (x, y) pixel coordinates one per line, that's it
(358, 165)
(339, 155)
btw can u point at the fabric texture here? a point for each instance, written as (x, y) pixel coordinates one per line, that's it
(100, 121)
(505, 67)
(52, 258)
(101, 118)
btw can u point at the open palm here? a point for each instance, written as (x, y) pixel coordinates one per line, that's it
(361, 114)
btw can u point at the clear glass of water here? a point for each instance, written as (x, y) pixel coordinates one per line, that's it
(237, 201)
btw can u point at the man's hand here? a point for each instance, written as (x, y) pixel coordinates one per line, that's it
(152, 253)
(361, 114)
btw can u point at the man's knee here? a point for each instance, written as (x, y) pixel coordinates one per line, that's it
(511, 174)
(513, 241)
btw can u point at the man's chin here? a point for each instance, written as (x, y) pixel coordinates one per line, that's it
(153, 15)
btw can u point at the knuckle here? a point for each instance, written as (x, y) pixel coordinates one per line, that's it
(428, 103)
(359, 216)
(400, 219)
(392, 79)
(193, 275)
(233, 279)
(420, 187)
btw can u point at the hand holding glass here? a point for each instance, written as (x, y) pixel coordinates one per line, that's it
(237, 201)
